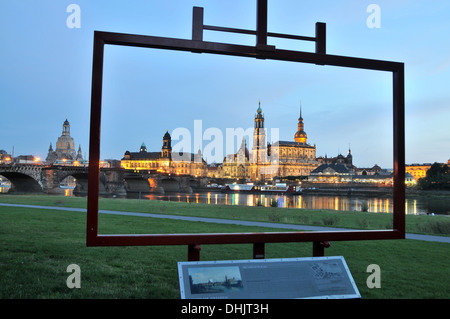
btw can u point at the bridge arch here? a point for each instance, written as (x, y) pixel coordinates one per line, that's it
(23, 183)
(81, 181)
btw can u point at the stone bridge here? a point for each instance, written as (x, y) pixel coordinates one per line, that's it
(29, 178)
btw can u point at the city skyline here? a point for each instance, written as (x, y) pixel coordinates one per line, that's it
(47, 69)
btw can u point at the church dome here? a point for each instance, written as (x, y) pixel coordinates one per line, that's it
(300, 136)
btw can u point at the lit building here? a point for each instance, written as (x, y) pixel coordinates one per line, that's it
(282, 158)
(418, 170)
(5, 158)
(331, 173)
(165, 162)
(266, 161)
(340, 159)
(237, 165)
(65, 153)
(214, 170)
(374, 170)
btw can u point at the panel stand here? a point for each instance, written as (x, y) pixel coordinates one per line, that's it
(319, 248)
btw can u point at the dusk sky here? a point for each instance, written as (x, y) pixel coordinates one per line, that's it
(46, 70)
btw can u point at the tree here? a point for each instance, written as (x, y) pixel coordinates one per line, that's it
(438, 177)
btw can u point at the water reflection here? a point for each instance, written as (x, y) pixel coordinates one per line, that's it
(417, 206)
(341, 203)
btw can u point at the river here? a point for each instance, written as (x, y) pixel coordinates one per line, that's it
(383, 204)
(418, 205)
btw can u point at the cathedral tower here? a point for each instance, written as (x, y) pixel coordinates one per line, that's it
(259, 150)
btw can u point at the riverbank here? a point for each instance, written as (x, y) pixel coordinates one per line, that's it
(338, 190)
(38, 245)
(375, 191)
(419, 224)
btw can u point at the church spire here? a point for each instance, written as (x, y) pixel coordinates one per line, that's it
(301, 110)
(259, 117)
(300, 136)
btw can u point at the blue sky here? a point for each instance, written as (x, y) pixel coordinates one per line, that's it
(46, 76)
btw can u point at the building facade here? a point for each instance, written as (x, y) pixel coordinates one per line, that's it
(267, 161)
(347, 161)
(331, 173)
(237, 165)
(281, 158)
(5, 158)
(418, 170)
(165, 162)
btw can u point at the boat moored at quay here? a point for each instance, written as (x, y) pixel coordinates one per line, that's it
(278, 188)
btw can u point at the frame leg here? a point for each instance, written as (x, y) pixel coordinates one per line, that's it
(194, 252)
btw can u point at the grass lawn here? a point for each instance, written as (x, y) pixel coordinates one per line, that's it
(37, 245)
(431, 225)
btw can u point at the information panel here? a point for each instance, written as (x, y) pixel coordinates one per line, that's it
(290, 278)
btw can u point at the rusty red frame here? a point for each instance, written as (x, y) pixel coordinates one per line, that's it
(320, 239)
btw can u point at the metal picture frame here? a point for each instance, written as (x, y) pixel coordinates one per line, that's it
(260, 51)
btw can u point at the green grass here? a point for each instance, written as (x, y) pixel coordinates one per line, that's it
(36, 246)
(430, 225)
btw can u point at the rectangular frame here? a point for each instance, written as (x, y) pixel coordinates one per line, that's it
(197, 45)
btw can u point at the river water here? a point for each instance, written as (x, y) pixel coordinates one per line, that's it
(384, 204)
(418, 205)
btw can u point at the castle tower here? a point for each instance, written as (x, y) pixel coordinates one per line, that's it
(166, 150)
(300, 136)
(349, 159)
(143, 148)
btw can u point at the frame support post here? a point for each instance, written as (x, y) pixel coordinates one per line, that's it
(197, 24)
(321, 36)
